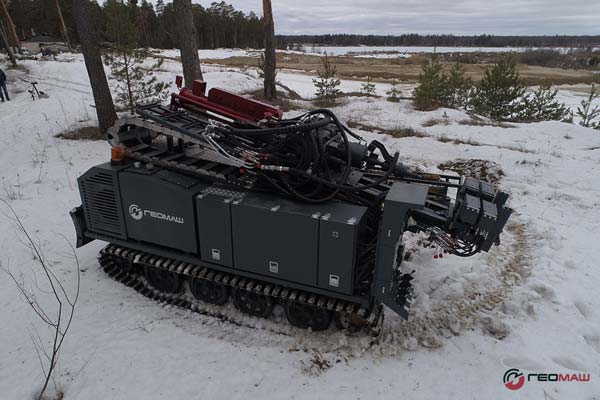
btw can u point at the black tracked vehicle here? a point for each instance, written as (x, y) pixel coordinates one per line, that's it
(217, 197)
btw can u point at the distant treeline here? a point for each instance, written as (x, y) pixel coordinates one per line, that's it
(440, 40)
(219, 25)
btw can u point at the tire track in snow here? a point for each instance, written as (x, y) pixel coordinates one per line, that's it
(510, 265)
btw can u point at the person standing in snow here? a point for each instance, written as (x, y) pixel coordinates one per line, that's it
(3, 86)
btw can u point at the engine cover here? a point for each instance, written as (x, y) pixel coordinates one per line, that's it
(159, 207)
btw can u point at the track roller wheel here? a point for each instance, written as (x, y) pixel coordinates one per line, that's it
(306, 316)
(349, 322)
(165, 281)
(209, 292)
(253, 303)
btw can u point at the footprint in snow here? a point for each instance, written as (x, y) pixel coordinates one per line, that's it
(569, 363)
(583, 309)
(522, 362)
(593, 340)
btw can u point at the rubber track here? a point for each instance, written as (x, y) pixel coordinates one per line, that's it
(111, 253)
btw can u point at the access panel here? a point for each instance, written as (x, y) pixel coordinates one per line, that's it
(159, 207)
(276, 237)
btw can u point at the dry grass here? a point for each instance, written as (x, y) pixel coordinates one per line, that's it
(481, 122)
(481, 169)
(399, 132)
(435, 121)
(406, 70)
(83, 133)
(403, 132)
(283, 100)
(469, 142)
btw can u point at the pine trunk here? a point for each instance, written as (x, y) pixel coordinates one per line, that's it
(11, 30)
(63, 27)
(6, 45)
(188, 41)
(270, 63)
(88, 37)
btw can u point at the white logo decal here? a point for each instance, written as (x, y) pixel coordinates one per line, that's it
(138, 213)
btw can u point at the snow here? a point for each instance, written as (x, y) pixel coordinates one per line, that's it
(357, 51)
(212, 54)
(388, 51)
(531, 303)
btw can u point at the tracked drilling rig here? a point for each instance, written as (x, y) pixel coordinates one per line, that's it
(217, 197)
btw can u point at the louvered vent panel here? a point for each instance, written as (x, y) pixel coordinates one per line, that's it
(101, 203)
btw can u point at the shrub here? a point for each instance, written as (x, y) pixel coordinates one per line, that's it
(368, 88)
(431, 91)
(541, 105)
(441, 89)
(500, 91)
(394, 93)
(588, 114)
(457, 86)
(327, 84)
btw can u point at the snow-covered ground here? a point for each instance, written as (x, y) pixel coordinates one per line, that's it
(532, 303)
(360, 51)
(380, 51)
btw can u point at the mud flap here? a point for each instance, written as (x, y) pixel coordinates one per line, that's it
(79, 222)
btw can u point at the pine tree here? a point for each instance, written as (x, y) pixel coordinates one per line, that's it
(187, 41)
(135, 80)
(327, 84)
(431, 91)
(88, 36)
(589, 113)
(500, 91)
(368, 88)
(261, 66)
(394, 93)
(542, 105)
(458, 86)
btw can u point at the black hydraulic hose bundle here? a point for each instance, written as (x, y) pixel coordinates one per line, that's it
(302, 160)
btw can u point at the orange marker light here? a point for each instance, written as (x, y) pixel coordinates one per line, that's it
(117, 155)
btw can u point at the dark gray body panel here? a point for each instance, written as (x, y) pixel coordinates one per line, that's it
(213, 215)
(259, 235)
(158, 207)
(339, 231)
(275, 237)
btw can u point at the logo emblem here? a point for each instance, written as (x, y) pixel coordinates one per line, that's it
(514, 379)
(136, 212)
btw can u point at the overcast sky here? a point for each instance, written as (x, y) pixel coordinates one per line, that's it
(504, 17)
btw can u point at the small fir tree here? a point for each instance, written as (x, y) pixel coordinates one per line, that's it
(500, 91)
(431, 91)
(134, 78)
(327, 84)
(368, 88)
(394, 93)
(588, 113)
(458, 87)
(542, 105)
